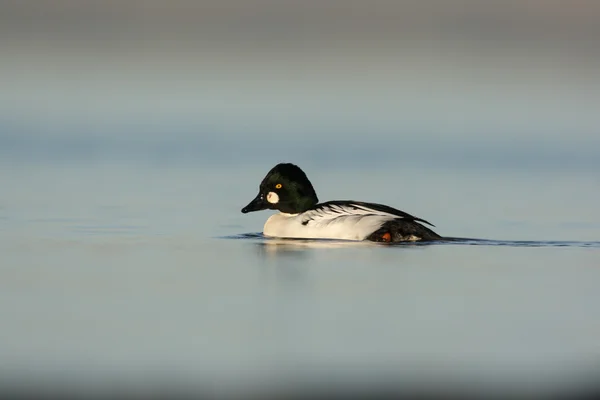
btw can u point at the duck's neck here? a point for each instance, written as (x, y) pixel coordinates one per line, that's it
(288, 215)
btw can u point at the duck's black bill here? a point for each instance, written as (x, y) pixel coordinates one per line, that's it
(256, 205)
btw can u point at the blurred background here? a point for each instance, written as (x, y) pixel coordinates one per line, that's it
(132, 132)
(335, 81)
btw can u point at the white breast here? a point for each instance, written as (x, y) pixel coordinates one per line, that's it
(331, 222)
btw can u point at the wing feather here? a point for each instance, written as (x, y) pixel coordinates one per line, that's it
(334, 209)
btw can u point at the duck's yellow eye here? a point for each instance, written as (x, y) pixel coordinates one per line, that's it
(278, 186)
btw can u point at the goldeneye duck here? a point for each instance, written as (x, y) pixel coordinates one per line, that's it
(287, 189)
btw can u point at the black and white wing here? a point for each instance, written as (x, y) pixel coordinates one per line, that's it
(340, 208)
(349, 219)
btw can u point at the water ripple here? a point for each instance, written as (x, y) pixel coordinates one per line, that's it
(446, 241)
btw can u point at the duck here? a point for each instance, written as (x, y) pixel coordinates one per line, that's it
(286, 188)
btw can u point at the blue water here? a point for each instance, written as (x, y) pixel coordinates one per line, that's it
(130, 139)
(129, 272)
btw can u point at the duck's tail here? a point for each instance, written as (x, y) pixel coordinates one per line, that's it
(403, 230)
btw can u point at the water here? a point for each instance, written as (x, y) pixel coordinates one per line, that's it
(136, 274)
(132, 134)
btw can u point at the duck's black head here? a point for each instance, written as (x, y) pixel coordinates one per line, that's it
(285, 188)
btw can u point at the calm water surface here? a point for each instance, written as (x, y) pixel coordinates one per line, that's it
(132, 133)
(123, 272)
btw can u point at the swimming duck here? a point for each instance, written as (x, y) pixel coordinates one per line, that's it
(287, 189)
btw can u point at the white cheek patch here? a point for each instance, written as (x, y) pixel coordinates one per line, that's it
(272, 198)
